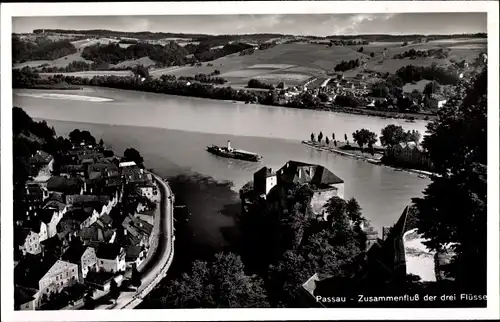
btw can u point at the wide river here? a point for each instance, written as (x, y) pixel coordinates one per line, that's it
(172, 132)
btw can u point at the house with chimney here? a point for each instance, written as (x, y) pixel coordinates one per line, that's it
(322, 181)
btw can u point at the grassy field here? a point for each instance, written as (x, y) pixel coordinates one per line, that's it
(295, 63)
(420, 85)
(92, 73)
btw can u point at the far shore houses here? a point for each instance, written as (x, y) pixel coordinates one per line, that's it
(82, 222)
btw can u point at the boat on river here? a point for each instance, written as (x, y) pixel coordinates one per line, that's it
(229, 152)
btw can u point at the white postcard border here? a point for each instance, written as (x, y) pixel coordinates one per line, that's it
(9, 10)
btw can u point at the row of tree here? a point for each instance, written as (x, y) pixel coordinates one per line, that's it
(113, 53)
(204, 78)
(438, 53)
(347, 65)
(411, 73)
(40, 49)
(391, 135)
(255, 83)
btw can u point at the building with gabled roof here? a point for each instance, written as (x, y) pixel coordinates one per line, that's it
(322, 182)
(84, 256)
(62, 274)
(135, 255)
(111, 257)
(33, 232)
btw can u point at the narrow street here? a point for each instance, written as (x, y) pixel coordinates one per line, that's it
(155, 269)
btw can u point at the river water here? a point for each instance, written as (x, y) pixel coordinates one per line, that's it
(171, 133)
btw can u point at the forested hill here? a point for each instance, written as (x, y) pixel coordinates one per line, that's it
(159, 35)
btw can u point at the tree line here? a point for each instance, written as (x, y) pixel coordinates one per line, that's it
(113, 53)
(438, 53)
(391, 135)
(347, 65)
(41, 49)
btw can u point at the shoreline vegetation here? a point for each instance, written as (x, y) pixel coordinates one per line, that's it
(227, 94)
(351, 154)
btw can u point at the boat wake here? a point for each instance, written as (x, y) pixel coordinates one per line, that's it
(57, 96)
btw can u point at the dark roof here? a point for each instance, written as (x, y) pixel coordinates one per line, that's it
(23, 295)
(264, 172)
(77, 214)
(74, 167)
(106, 219)
(62, 184)
(45, 215)
(31, 269)
(96, 232)
(33, 225)
(137, 226)
(108, 251)
(86, 199)
(74, 253)
(99, 278)
(34, 190)
(53, 204)
(113, 182)
(95, 175)
(41, 157)
(102, 166)
(300, 172)
(132, 252)
(57, 196)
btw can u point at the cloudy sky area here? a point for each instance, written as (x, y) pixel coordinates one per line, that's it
(310, 24)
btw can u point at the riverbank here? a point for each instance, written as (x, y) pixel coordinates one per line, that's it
(372, 160)
(166, 247)
(194, 89)
(381, 114)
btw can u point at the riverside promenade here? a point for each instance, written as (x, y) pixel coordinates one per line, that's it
(161, 253)
(162, 257)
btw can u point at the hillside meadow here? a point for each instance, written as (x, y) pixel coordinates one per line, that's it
(293, 63)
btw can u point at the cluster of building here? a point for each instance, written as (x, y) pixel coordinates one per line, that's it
(85, 223)
(408, 154)
(358, 87)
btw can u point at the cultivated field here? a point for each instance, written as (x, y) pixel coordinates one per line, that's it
(90, 74)
(293, 63)
(145, 61)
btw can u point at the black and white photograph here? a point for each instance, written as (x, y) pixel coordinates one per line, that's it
(238, 158)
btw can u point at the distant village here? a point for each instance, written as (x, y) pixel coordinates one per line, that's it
(85, 224)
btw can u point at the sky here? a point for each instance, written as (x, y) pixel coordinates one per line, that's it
(304, 24)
